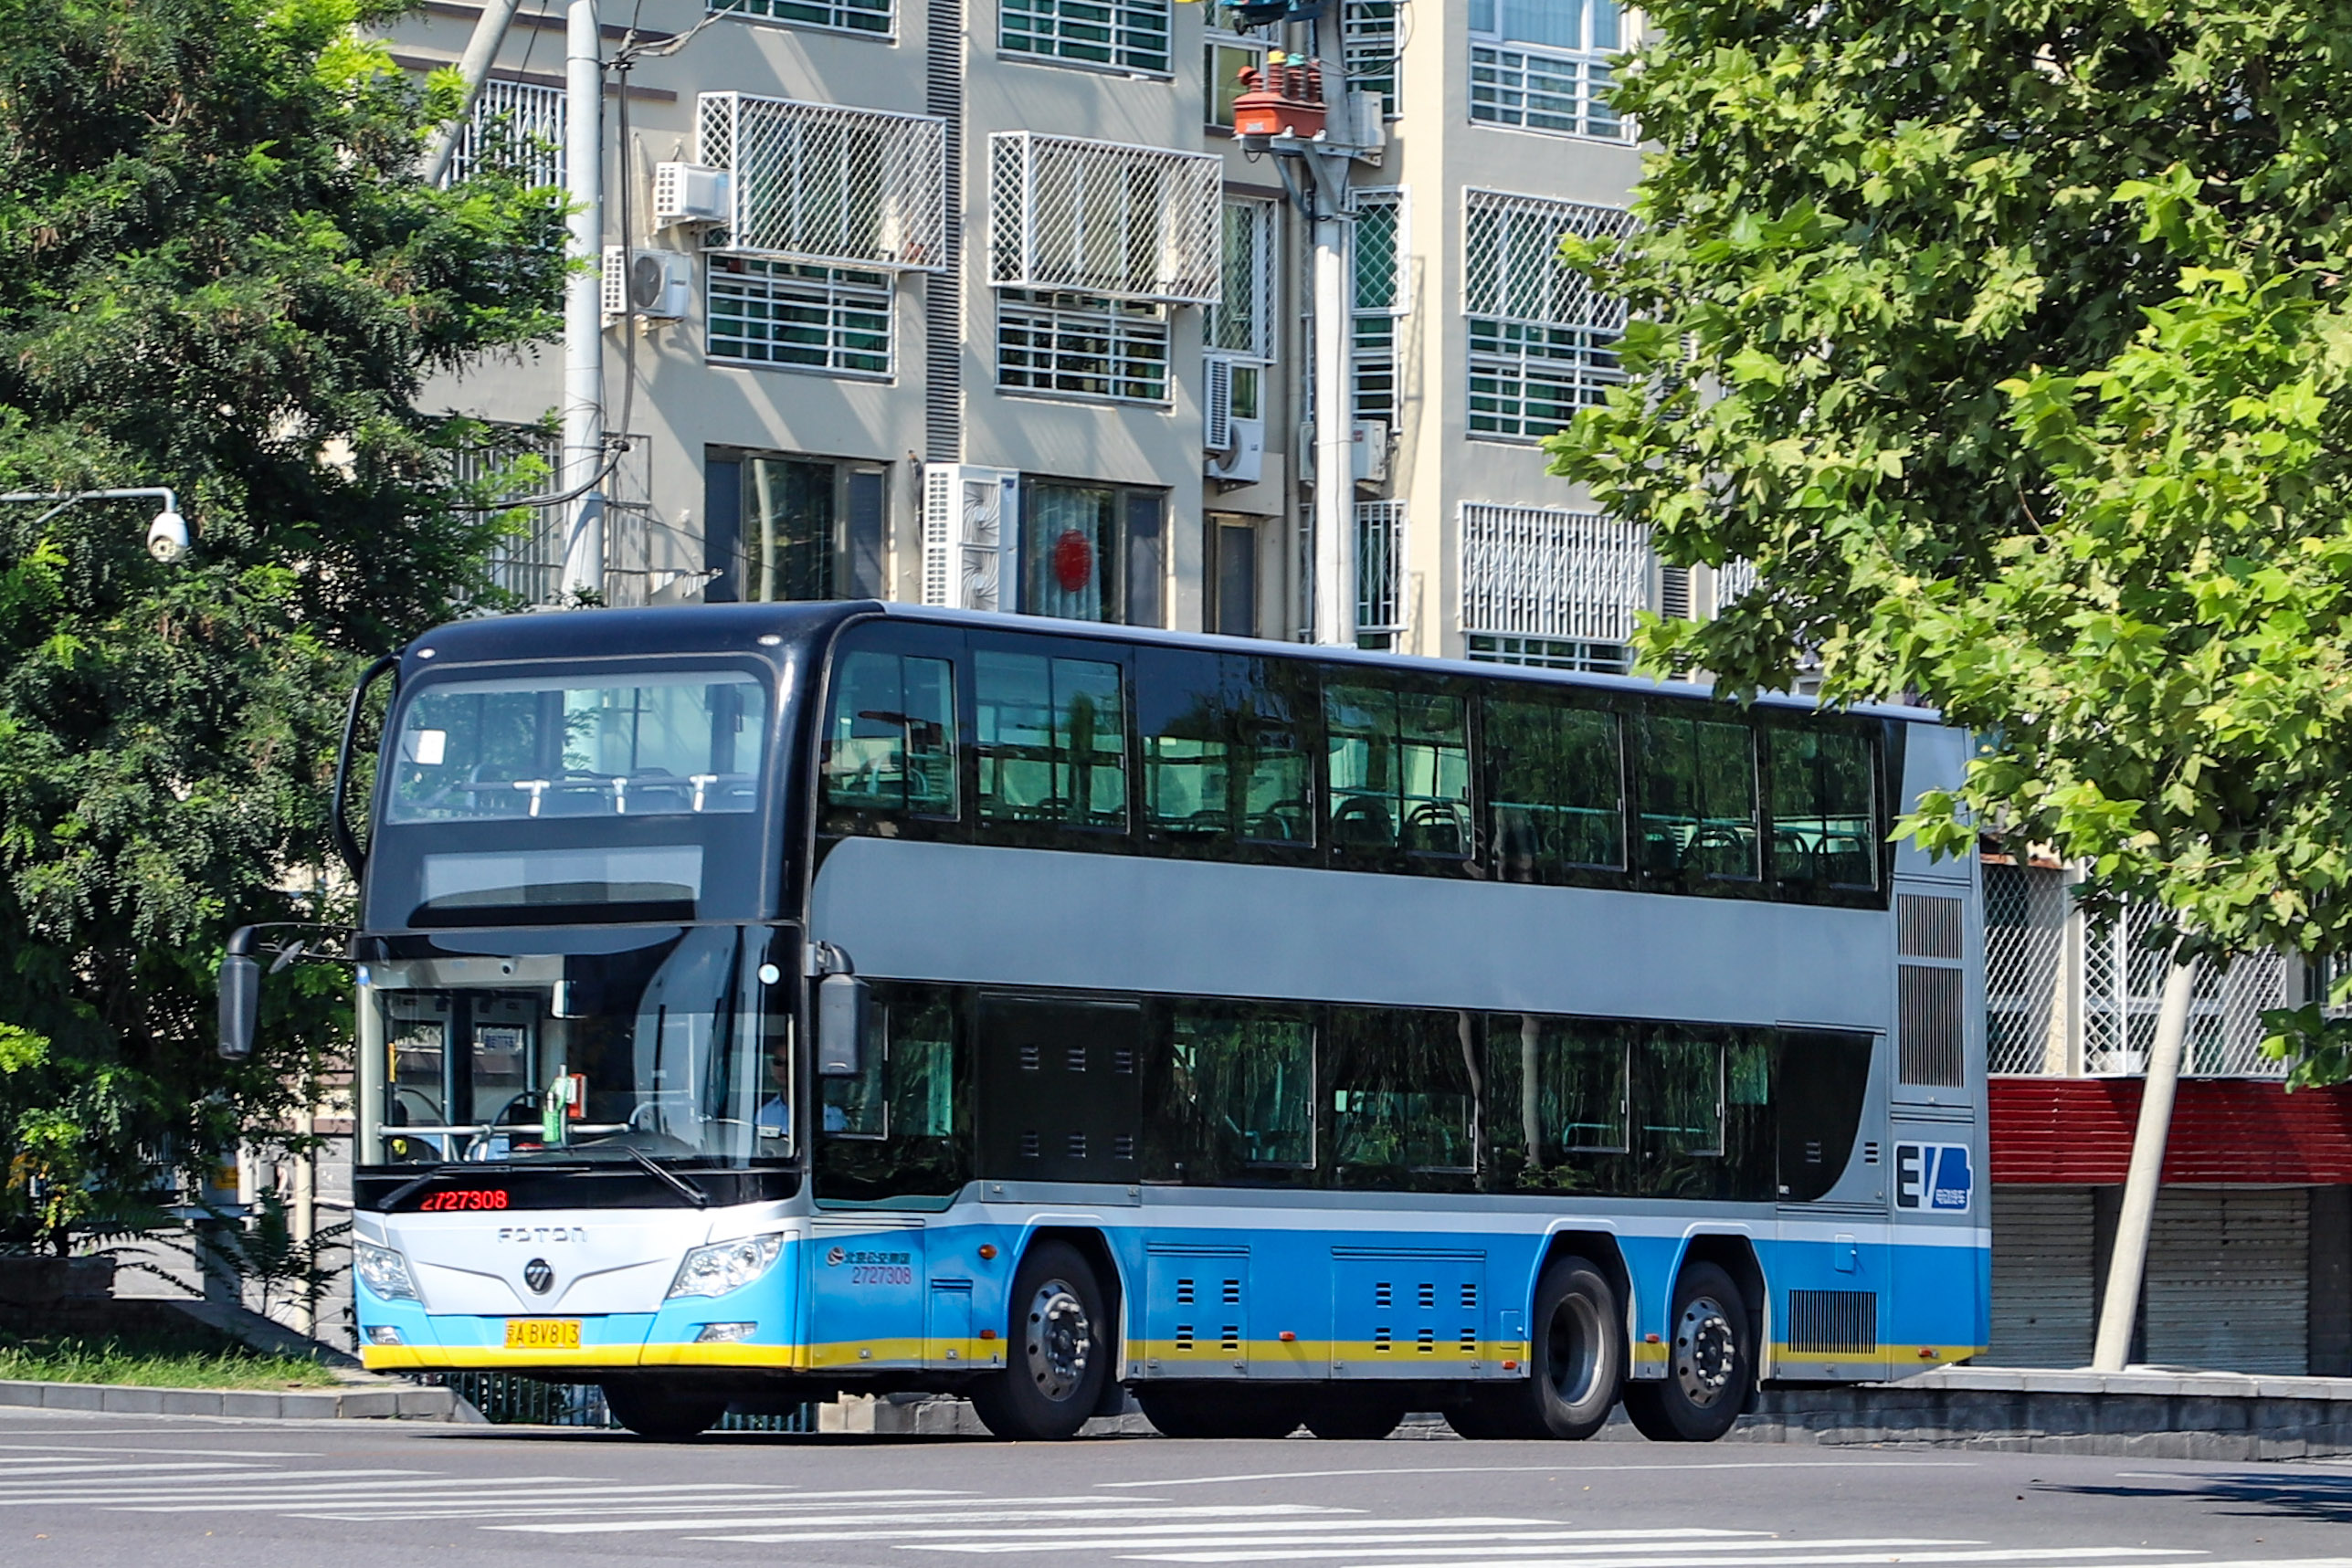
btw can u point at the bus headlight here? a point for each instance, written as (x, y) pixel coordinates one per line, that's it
(726, 1265)
(382, 1270)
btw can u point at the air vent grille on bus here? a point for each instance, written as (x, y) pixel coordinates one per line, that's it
(1928, 1005)
(1927, 927)
(1832, 1323)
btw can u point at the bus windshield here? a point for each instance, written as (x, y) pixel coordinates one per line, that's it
(631, 743)
(676, 1047)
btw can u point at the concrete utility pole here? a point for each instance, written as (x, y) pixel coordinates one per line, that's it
(2141, 1183)
(1335, 403)
(583, 325)
(473, 66)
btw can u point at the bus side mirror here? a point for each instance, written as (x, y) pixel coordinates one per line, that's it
(841, 1025)
(240, 1005)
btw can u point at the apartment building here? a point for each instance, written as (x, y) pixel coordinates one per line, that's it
(984, 302)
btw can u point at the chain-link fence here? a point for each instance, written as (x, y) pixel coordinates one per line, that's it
(2064, 995)
(507, 1399)
(1103, 217)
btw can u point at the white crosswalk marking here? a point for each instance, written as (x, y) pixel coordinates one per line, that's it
(1538, 1559)
(998, 1514)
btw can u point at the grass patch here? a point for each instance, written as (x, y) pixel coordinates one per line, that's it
(155, 1358)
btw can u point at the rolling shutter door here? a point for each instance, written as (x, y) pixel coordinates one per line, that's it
(2229, 1277)
(2045, 1299)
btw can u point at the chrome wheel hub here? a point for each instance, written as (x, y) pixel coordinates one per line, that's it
(1706, 1353)
(1060, 1338)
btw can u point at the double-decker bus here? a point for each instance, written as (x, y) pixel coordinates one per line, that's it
(764, 1003)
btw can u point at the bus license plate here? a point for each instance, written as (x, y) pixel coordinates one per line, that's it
(543, 1334)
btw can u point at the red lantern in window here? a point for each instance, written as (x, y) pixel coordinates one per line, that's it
(1073, 562)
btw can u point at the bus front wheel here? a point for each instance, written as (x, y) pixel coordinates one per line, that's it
(1711, 1361)
(1056, 1358)
(1575, 1362)
(666, 1414)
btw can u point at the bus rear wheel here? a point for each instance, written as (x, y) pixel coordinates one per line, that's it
(1056, 1361)
(1575, 1362)
(1711, 1363)
(666, 1414)
(1219, 1411)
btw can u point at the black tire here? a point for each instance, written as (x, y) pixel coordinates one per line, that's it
(1355, 1415)
(1576, 1363)
(664, 1415)
(1711, 1363)
(1057, 1353)
(1219, 1410)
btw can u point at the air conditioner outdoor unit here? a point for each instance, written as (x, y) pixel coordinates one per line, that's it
(971, 536)
(690, 194)
(1370, 452)
(1243, 461)
(655, 284)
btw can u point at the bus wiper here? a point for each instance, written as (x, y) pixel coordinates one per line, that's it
(678, 1183)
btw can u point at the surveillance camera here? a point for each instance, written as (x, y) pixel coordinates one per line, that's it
(167, 537)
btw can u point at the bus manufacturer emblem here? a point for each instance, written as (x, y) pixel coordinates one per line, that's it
(539, 1276)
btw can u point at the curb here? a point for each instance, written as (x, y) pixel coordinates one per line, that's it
(306, 1404)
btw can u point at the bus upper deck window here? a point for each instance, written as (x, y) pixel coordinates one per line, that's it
(1052, 741)
(1558, 788)
(889, 748)
(1823, 808)
(1698, 797)
(1400, 767)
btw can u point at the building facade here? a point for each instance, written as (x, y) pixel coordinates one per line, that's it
(983, 302)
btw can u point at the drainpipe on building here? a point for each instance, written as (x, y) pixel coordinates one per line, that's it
(2120, 1309)
(584, 327)
(473, 68)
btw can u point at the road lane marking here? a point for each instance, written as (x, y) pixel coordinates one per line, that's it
(999, 1515)
(1541, 1469)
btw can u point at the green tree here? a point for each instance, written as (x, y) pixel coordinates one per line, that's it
(218, 272)
(2010, 344)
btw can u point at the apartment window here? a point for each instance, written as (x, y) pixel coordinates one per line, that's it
(1542, 342)
(1241, 326)
(1552, 653)
(1233, 574)
(1225, 54)
(1379, 300)
(869, 17)
(1079, 345)
(1544, 64)
(509, 462)
(515, 128)
(1379, 571)
(1369, 44)
(808, 318)
(1569, 577)
(1131, 34)
(1092, 552)
(784, 527)
(828, 184)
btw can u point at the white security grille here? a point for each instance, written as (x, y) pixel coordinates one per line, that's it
(1544, 89)
(823, 183)
(1537, 571)
(1542, 338)
(1080, 346)
(1379, 297)
(529, 562)
(1735, 581)
(1379, 566)
(1102, 217)
(1368, 46)
(515, 126)
(1129, 33)
(816, 318)
(2025, 947)
(871, 17)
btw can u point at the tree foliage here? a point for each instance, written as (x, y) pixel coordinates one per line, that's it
(2011, 343)
(218, 272)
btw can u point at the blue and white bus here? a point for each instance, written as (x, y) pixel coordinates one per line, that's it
(764, 1003)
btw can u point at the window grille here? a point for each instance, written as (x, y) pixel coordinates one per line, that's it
(1552, 653)
(1369, 47)
(1379, 566)
(1379, 298)
(1081, 346)
(1735, 581)
(1544, 64)
(1241, 322)
(1537, 571)
(515, 125)
(1102, 217)
(832, 186)
(1543, 340)
(814, 318)
(2025, 948)
(528, 563)
(872, 17)
(1131, 34)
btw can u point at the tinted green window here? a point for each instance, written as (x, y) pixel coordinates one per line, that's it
(1680, 1098)
(1223, 758)
(1400, 1097)
(1238, 1094)
(1558, 1089)
(1558, 794)
(1698, 797)
(1823, 808)
(899, 1130)
(1052, 741)
(1400, 767)
(890, 747)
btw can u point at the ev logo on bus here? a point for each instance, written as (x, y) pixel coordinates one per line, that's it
(1932, 1178)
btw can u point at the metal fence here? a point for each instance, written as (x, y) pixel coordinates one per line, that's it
(829, 185)
(1105, 217)
(1537, 571)
(510, 1399)
(2063, 995)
